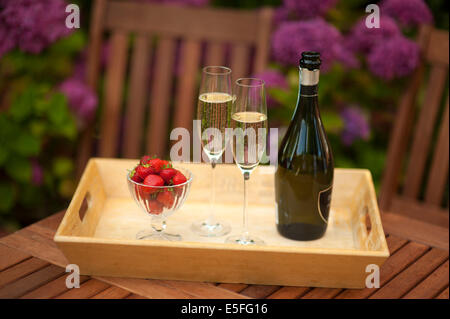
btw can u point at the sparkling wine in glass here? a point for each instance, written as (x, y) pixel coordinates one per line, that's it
(249, 123)
(214, 114)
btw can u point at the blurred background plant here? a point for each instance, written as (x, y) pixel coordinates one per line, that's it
(44, 102)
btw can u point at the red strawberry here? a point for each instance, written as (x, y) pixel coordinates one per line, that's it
(179, 178)
(155, 207)
(167, 174)
(135, 177)
(156, 165)
(166, 164)
(152, 180)
(166, 198)
(144, 170)
(145, 159)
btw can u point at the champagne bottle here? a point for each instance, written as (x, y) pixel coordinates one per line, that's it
(304, 175)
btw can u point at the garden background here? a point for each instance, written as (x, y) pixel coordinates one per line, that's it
(45, 104)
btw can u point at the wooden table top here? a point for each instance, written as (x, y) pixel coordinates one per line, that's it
(31, 266)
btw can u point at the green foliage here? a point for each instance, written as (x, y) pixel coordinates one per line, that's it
(36, 119)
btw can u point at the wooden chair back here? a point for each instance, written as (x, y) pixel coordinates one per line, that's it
(416, 175)
(144, 39)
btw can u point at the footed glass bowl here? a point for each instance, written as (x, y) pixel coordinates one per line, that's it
(159, 202)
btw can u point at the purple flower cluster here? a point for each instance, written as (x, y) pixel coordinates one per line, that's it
(407, 12)
(82, 100)
(291, 38)
(389, 54)
(305, 9)
(31, 25)
(356, 125)
(363, 39)
(392, 58)
(273, 79)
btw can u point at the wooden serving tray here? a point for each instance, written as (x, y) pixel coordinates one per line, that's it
(101, 239)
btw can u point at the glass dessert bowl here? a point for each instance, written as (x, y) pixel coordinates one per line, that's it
(159, 202)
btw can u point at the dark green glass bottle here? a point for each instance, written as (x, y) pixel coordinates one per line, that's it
(304, 176)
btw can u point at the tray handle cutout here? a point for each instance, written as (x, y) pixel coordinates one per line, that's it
(85, 205)
(369, 228)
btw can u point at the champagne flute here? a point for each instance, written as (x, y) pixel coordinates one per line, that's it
(213, 112)
(249, 123)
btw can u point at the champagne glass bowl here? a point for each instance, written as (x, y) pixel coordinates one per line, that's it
(159, 202)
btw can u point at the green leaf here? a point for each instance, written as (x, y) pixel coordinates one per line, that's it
(26, 144)
(6, 196)
(62, 166)
(57, 112)
(3, 155)
(19, 169)
(332, 121)
(22, 105)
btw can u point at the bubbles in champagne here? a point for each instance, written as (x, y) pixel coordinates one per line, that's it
(249, 138)
(214, 110)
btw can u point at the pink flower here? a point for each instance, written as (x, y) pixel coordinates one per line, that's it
(82, 100)
(272, 79)
(363, 39)
(292, 38)
(356, 125)
(407, 12)
(393, 58)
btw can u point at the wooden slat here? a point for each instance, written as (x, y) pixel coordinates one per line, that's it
(416, 230)
(289, 293)
(134, 296)
(414, 274)
(112, 293)
(263, 40)
(92, 73)
(52, 222)
(21, 270)
(187, 86)
(37, 241)
(401, 131)
(233, 287)
(419, 210)
(10, 256)
(215, 54)
(203, 290)
(444, 294)
(138, 91)
(439, 168)
(115, 74)
(30, 282)
(259, 291)
(160, 97)
(424, 131)
(437, 51)
(95, 43)
(322, 293)
(395, 243)
(239, 61)
(395, 264)
(51, 289)
(86, 290)
(182, 21)
(157, 289)
(432, 285)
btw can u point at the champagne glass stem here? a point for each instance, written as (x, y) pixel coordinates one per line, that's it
(245, 233)
(211, 219)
